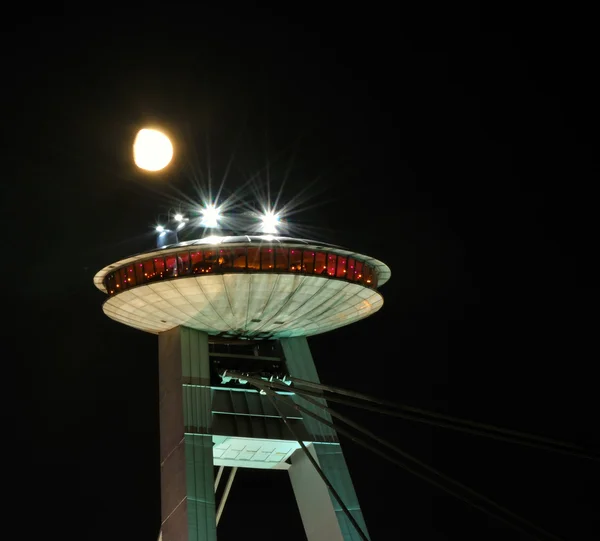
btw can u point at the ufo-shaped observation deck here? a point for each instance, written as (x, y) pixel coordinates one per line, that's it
(248, 287)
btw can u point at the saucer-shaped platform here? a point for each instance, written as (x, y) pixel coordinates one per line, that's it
(253, 287)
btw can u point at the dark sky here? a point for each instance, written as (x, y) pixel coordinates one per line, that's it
(458, 146)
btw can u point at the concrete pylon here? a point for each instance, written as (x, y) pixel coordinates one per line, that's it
(322, 516)
(187, 483)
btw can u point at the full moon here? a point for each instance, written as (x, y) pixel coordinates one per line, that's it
(152, 150)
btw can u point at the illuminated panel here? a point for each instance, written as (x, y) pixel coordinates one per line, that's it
(252, 453)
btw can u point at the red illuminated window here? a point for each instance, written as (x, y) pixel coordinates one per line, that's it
(308, 261)
(122, 279)
(341, 267)
(368, 275)
(149, 273)
(170, 266)
(351, 267)
(295, 260)
(281, 259)
(139, 273)
(358, 271)
(320, 263)
(197, 262)
(239, 259)
(183, 263)
(210, 260)
(331, 264)
(253, 259)
(225, 259)
(110, 283)
(159, 266)
(267, 259)
(130, 275)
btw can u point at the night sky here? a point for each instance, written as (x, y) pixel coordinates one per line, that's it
(457, 146)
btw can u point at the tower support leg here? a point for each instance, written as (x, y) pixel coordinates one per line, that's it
(322, 516)
(187, 479)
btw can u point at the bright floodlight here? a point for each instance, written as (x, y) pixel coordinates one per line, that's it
(179, 217)
(269, 222)
(160, 229)
(152, 150)
(210, 216)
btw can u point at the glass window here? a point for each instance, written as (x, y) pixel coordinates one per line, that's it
(320, 263)
(121, 279)
(341, 267)
(225, 260)
(266, 259)
(295, 260)
(239, 259)
(210, 260)
(308, 261)
(183, 263)
(331, 264)
(351, 268)
(368, 275)
(281, 259)
(139, 273)
(149, 273)
(170, 266)
(131, 275)
(110, 283)
(358, 269)
(197, 262)
(159, 266)
(253, 259)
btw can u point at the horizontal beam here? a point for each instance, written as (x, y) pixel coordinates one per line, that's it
(248, 357)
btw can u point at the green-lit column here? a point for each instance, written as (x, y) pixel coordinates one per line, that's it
(187, 485)
(327, 521)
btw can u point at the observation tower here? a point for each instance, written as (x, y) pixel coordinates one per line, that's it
(228, 306)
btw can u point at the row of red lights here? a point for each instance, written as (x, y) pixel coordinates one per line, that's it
(330, 272)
